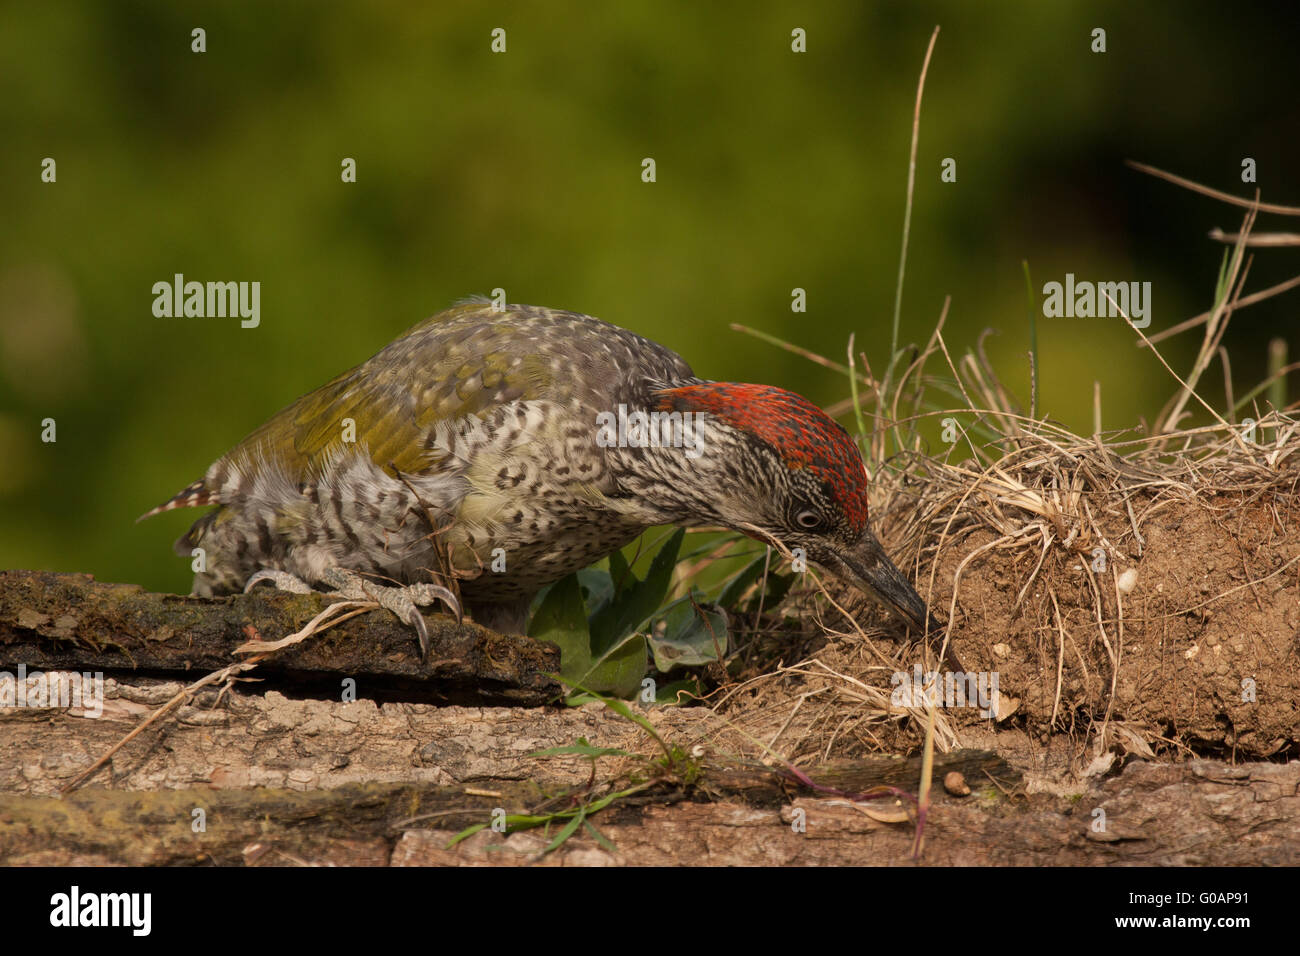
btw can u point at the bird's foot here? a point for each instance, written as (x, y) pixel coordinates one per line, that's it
(351, 586)
(401, 601)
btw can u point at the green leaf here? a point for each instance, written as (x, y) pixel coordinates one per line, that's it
(620, 575)
(692, 635)
(569, 829)
(777, 587)
(616, 671)
(740, 582)
(587, 695)
(599, 837)
(562, 618)
(668, 694)
(465, 834)
(597, 588)
(637, 602)
(582, 749)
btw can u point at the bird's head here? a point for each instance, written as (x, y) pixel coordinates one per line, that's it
(771, 464)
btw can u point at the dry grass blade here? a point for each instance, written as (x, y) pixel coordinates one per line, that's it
(1212, 193)
(1262, 239)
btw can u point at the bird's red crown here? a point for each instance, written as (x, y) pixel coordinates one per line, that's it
(801, 433)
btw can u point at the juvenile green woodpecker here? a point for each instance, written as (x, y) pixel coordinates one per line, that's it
(513, 447)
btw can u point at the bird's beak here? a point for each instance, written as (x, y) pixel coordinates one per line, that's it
(869, 568)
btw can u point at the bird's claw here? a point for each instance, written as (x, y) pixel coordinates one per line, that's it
(416, 620)
(401, 601)
(426, 593)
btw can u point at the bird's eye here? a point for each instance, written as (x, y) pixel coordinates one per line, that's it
(808, 518)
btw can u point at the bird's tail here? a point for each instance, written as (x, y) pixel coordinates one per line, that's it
(194, 495)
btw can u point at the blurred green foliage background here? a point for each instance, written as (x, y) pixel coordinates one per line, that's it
(522, 170)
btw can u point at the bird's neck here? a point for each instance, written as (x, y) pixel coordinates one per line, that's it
(673, 467)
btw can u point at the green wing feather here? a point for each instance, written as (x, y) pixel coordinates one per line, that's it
(455, 364)
(465, 361)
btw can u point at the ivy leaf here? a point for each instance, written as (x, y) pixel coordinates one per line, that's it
(616, 669)
(693, 634)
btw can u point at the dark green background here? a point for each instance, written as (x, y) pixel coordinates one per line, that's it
(522, 170)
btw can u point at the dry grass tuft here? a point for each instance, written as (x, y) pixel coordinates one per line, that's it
(1136, 591)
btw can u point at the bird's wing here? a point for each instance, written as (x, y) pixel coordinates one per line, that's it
(468, 361)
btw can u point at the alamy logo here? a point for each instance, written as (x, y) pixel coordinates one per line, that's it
(1086, 300)
(949, 689)
(208, 300)
(650, 430)
(84, 691)
(75, 908)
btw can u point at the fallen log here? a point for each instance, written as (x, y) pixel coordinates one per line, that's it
(72, 622)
